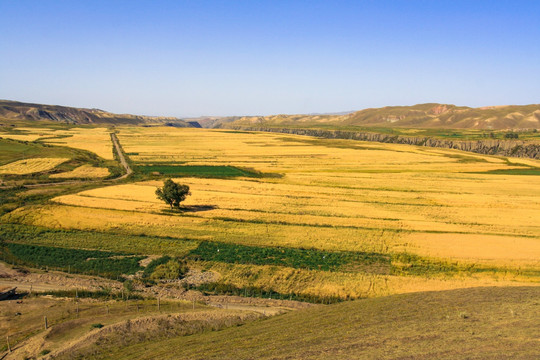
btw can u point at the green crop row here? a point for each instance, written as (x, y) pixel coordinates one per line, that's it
(121, 243)
(102, 263)
(290, 257)
(197, 170)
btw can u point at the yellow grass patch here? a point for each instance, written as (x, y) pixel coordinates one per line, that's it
(20, 137)
(30, 166)
(96, 140)
(343, 284)
(84, 171)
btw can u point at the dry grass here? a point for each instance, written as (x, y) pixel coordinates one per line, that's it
(458, 324)
(332, 195)
(96, 140)
(347, 284)
(84, 171)
(125, 323)
(30, 166)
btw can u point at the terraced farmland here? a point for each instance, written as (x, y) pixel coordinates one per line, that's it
(441, 219)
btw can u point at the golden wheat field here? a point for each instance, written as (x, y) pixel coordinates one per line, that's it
(96, 140)
(30, 166)
(322, 194)
(84, 171)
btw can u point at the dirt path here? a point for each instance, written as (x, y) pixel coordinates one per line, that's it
(27, 286)
(265, 310)
(120, 154)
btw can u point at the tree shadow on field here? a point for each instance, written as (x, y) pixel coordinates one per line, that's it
(190, 209)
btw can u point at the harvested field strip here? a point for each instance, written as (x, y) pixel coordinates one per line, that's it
(30, 166)
(83, 172)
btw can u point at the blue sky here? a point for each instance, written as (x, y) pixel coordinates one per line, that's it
(191, 58)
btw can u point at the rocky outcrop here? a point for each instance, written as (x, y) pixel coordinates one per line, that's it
(13, 110)
(515, 148)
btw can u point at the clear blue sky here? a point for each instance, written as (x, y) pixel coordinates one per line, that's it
(190, 58)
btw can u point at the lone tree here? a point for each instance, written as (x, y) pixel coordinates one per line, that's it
(173, 193)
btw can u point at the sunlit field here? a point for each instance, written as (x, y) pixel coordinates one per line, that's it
(93, 139)
(444, 206)
(84, 171)
(30, 166)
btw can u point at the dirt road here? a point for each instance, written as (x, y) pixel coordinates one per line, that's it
(121, 157)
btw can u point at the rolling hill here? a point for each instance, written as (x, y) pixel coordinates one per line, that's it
(429, 115)
(13, 110)
(458, 324)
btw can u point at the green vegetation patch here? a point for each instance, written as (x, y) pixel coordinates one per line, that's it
(165, 267)
(523, 171)
(402, 264)
(119, 243)
(291, 257)
(14, 150)
(217, 288)
(206, 171)
(96, 262)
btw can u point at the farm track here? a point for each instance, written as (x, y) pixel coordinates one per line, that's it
(121, 157)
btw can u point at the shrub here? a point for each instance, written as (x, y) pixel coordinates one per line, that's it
(171, 270)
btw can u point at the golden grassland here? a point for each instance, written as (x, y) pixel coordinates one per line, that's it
(329, 195)
(96, 140)
(84, 171)
(349, 284)
(30, 166)
(20, 137)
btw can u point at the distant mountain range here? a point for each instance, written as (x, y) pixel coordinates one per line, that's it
(13, 110)
(417, 116)
(430, 115)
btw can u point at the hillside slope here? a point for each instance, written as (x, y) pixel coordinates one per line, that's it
(13, 110)
(418, 116)
(476, 323)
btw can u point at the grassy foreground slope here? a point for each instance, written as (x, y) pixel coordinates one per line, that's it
(481, 323)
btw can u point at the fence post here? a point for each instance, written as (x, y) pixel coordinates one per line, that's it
(8, 346)
(158, 304)
(45, 320)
